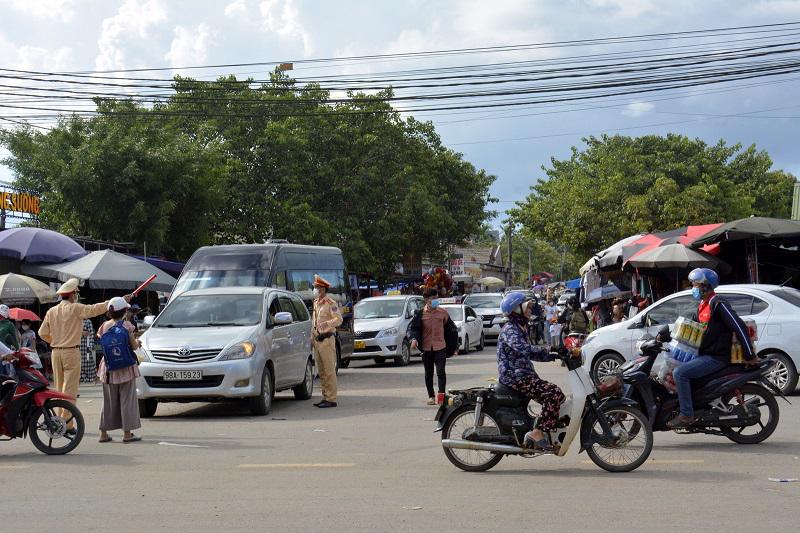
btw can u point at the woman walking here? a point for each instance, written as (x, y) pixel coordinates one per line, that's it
(120, 405)
(435, 334)
(88, 368)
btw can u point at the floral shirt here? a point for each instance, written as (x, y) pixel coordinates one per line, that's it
(514, 354)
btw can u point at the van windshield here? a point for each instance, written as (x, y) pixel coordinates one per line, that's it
(367, 309)
(211, 310)
(208, 279)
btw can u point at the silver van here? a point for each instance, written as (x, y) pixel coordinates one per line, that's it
(227, 343)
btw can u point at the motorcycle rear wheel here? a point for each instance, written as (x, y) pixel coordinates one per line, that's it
(763, 398)
(632, 447)
(56, 431)
(469, 460)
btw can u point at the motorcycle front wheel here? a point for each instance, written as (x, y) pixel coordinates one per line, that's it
(631, 444)
(470, 460)
(48, 427)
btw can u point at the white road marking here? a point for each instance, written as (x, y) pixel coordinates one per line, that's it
(299, 465)
(182, 445)
(14, 467)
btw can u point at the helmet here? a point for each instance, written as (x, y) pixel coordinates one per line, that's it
(511, 302)
(117, 304)
(704, 275)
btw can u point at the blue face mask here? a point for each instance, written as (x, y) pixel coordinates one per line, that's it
(696, 293)
(434, 304)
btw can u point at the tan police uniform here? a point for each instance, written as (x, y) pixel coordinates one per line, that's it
(61, 329)
(326, 318)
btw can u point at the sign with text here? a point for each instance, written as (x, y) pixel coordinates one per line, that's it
(18, 204)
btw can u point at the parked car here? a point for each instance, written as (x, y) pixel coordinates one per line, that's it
(381, 329)
(487, 307)
(227, 343)
(775, 310)
(470, 328)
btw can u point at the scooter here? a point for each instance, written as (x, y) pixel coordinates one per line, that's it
(29, 407)
(737, 402)
(480, 426)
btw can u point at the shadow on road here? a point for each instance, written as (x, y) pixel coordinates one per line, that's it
(644, 472)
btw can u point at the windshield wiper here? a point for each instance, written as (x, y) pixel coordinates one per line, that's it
(223, 324)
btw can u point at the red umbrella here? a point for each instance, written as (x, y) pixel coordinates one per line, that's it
(17, 313)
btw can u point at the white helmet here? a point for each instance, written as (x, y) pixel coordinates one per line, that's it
(4, 310)
(117, 303)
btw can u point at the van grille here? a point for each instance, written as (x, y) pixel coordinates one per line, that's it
(195, 356)
(207, 381)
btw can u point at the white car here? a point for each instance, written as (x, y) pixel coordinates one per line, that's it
(381, 329)
(487, 307)
(775, 310)
(470, 328)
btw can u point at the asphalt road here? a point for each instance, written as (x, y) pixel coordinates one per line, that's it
(373, 464)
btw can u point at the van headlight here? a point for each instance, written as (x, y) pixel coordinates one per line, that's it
(240, 350)
(142, 355)
(391, 332)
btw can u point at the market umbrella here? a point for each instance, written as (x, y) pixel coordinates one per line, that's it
(37, 245)
(490, 280)
(106, 269)
(22, 290)
(673, 256)
(607, 292)
(750, 228)
(612, 255)
(17, 313)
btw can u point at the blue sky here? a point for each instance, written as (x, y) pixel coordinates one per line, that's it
(73, 35)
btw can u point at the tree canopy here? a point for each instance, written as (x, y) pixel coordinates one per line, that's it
(231, 162)
(618, 186)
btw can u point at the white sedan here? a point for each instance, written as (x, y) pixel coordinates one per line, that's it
(470, 328)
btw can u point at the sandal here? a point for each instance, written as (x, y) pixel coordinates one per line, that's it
(135, 438)
(541, 445)
(107, 439)
(431, 401)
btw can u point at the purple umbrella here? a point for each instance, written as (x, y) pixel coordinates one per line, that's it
(37, 245)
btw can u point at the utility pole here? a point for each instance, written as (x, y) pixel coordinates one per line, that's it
(530, 273)
(563, 251)
(510, 277)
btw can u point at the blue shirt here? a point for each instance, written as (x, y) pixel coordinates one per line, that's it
(514, 355)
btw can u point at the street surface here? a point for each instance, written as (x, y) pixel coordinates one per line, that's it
(373, 464)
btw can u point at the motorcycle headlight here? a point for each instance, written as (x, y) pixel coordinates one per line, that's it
(391, 332)
(240, 350)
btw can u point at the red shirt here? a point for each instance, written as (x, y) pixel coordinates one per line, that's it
(433, 322)
(704, 310)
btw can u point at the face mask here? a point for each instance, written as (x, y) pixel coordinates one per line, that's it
(25, 328)
(434, 304)
(316, 292)
(696, 293)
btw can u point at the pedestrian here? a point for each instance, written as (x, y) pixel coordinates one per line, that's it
(550, 310)
(88, 366)
(579, 322)
(617, 311)
(120, 405)
(61, 329)
(8, 331)
(27, 339)
(326, 318)
(430, 330)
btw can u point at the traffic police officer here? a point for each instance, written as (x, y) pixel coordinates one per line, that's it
(326, 319)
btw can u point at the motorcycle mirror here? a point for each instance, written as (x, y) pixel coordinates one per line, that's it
(646, 337)
(664, 334)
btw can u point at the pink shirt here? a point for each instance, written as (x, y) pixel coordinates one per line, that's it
(433, 322)
(122, 375)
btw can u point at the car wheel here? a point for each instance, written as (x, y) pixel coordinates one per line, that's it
(147, 408)
(783, 374)
(466, 344)
(379, 360)
(260, 405)
(405, 355)
(305, 390)
(605, 365)
(482, 343)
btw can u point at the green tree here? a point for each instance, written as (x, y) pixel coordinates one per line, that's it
(618, 186)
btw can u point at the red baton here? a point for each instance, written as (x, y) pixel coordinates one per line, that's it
(141, 287)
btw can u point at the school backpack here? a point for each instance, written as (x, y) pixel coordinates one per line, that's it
(117, 350)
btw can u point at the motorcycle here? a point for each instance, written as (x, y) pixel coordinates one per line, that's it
(480, 426)
(736, 402)
(30, 408)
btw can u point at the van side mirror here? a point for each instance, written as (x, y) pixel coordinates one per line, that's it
(471, 319)
(148, 321)
(283, 318)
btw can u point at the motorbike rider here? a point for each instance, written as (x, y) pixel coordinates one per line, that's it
(721, 323)
(8, 374)
(514, 355)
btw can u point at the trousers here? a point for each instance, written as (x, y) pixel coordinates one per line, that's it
(546, 394)
(430, 360)
(325, 358)
(120, 407)
(67, 372)
(700, 366)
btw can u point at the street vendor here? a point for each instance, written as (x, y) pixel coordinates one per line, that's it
(62, 328)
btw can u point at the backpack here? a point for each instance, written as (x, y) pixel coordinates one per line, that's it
(117, 350)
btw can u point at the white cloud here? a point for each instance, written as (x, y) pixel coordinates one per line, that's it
(629, 9)
(637, 109)
(283, 18)
(25, 57)
(237, 9)
(46, 9)
(190, 47)
(134, 17)
(778, 7)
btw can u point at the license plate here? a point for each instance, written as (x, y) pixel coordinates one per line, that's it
(183, 375)
(359, 345)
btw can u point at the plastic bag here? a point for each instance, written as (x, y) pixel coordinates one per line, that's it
(662, 370)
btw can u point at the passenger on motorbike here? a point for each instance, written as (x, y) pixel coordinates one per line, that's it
(721, 323)
(514, 355)
(8, 374)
